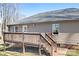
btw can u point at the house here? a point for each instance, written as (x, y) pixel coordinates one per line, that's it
(34, 28)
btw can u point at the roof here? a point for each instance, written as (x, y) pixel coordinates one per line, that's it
(52, 16)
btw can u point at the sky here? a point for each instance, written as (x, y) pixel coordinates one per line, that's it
(28, 9)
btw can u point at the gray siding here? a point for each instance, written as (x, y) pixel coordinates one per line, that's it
(43, 27)
(69, 33)
(69, 27)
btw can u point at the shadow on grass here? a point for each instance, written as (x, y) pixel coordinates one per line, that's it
(17, 50)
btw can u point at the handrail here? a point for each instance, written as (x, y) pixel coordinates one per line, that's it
(30, 33)
(46, 44)
(50, 38)
(45, 40)
(53, 43)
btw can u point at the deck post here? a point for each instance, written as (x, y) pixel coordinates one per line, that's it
(40, 46)
(40, 50)
(51, 50)
(23, 46)
(55, 51)
(4, 42)
(56, 48)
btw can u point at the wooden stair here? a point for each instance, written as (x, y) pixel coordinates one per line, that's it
(51, 41)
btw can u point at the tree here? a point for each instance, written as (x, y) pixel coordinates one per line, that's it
(8, 14)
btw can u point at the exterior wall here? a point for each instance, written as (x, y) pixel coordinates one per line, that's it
(41, 27)
(68, 38)
(18, 28)
(15, 28)
(69, 33)
(69, 27)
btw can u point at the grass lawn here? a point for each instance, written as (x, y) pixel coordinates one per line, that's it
(10, 53)
(2, 47)
(72, 52)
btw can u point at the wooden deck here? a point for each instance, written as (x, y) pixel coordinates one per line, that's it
(31, 39)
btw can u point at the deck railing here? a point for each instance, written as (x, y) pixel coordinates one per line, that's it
(51, 39)
(20, 37)
(31, 38)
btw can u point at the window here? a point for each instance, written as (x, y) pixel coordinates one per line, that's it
(55, 28)
(24, 28)
(12, 28)
(16, 29)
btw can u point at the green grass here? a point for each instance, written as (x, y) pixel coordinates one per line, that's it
(14, 54)
(2, 47)
(72, 53)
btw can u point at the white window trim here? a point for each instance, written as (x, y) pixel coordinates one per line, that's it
(23, 28)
